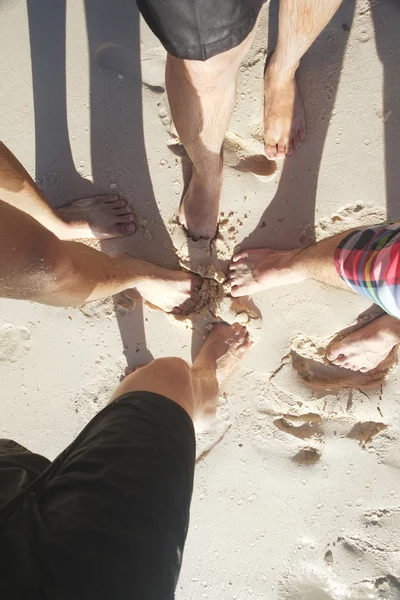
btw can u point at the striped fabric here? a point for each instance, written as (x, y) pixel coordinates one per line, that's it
(368, 260)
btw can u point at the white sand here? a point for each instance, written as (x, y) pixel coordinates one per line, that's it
(297, 490)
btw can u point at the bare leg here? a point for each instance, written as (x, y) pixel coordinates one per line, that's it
(300, 23)
(194, 388)
(98, 217)
(202, 97)
(263, 268)
(254, 270)
(36, 265)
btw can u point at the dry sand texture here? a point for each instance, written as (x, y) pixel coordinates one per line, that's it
(297, 490)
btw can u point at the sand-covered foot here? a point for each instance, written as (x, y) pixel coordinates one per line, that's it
(172, 291)
(97, 217)
(284, 118)
(364, 349)
(224, 348)
(199, 208)
(259, 269)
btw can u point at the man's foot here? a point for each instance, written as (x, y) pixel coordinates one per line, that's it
(255, 270)
(223, 350)
(172, 291)
(364, 349)
(284, 119)
(98, 217)
(198, 211)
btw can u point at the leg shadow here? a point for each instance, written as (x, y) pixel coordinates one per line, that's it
(285, 217)
(387, 31)
(117, 143)
(118, 149)
(55, 169)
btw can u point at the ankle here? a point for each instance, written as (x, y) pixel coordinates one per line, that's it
(280, 68)
(297, 264)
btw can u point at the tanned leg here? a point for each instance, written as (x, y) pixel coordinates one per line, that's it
(36, 265)
(202, 97)
(300, 23)
(98, 217)
(194, 388)
(263, 268)
(259, 269)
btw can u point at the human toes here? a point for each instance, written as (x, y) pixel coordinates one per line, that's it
(122, 228)
(195, 284)
(126, 218)
(238, 257)
(336, 353)
(239, 332)
(114, 201)
(270, 151)
(236, 292)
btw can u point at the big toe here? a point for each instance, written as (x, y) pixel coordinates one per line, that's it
(239, 331)
(335, 352)
(271, 151)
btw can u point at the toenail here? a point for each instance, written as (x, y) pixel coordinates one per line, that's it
(130, 227)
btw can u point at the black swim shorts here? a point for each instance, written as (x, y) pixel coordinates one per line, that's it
(200, 29)
(108, 518)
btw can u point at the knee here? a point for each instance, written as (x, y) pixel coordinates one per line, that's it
(49, 266)
(175, 373)
(203, 74)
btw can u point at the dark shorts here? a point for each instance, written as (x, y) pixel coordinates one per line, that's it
(200, 29)
(108, 518)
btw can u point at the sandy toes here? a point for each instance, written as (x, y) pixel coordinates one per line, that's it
(259, 269)
(284, 118)
(224, 348)
(98, 217)
(364, 349)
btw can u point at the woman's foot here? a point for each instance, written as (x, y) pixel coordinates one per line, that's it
(259, 269)
(199, 208)
(364, 349)
(174, 292)
(284, 119)
(97, 217)
(223, 350)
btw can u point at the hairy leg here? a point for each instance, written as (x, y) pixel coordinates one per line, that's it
(202, 97)
(97, 217)
(194, 388)
(259, 269)
(36, 265)
(263, 268)
(300, 23)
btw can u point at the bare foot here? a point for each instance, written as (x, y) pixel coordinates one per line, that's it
(172, 291)
(98, 217)
(223, 350)
(199, 208)
(363, 349)
(284, 119)
(254, 270)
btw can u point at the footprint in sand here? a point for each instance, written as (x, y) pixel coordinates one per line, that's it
(308, 359)
(348, 217)
(15, 342)
(247, 155)
(376, 540)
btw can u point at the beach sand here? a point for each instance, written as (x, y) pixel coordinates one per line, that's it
(297, 485)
